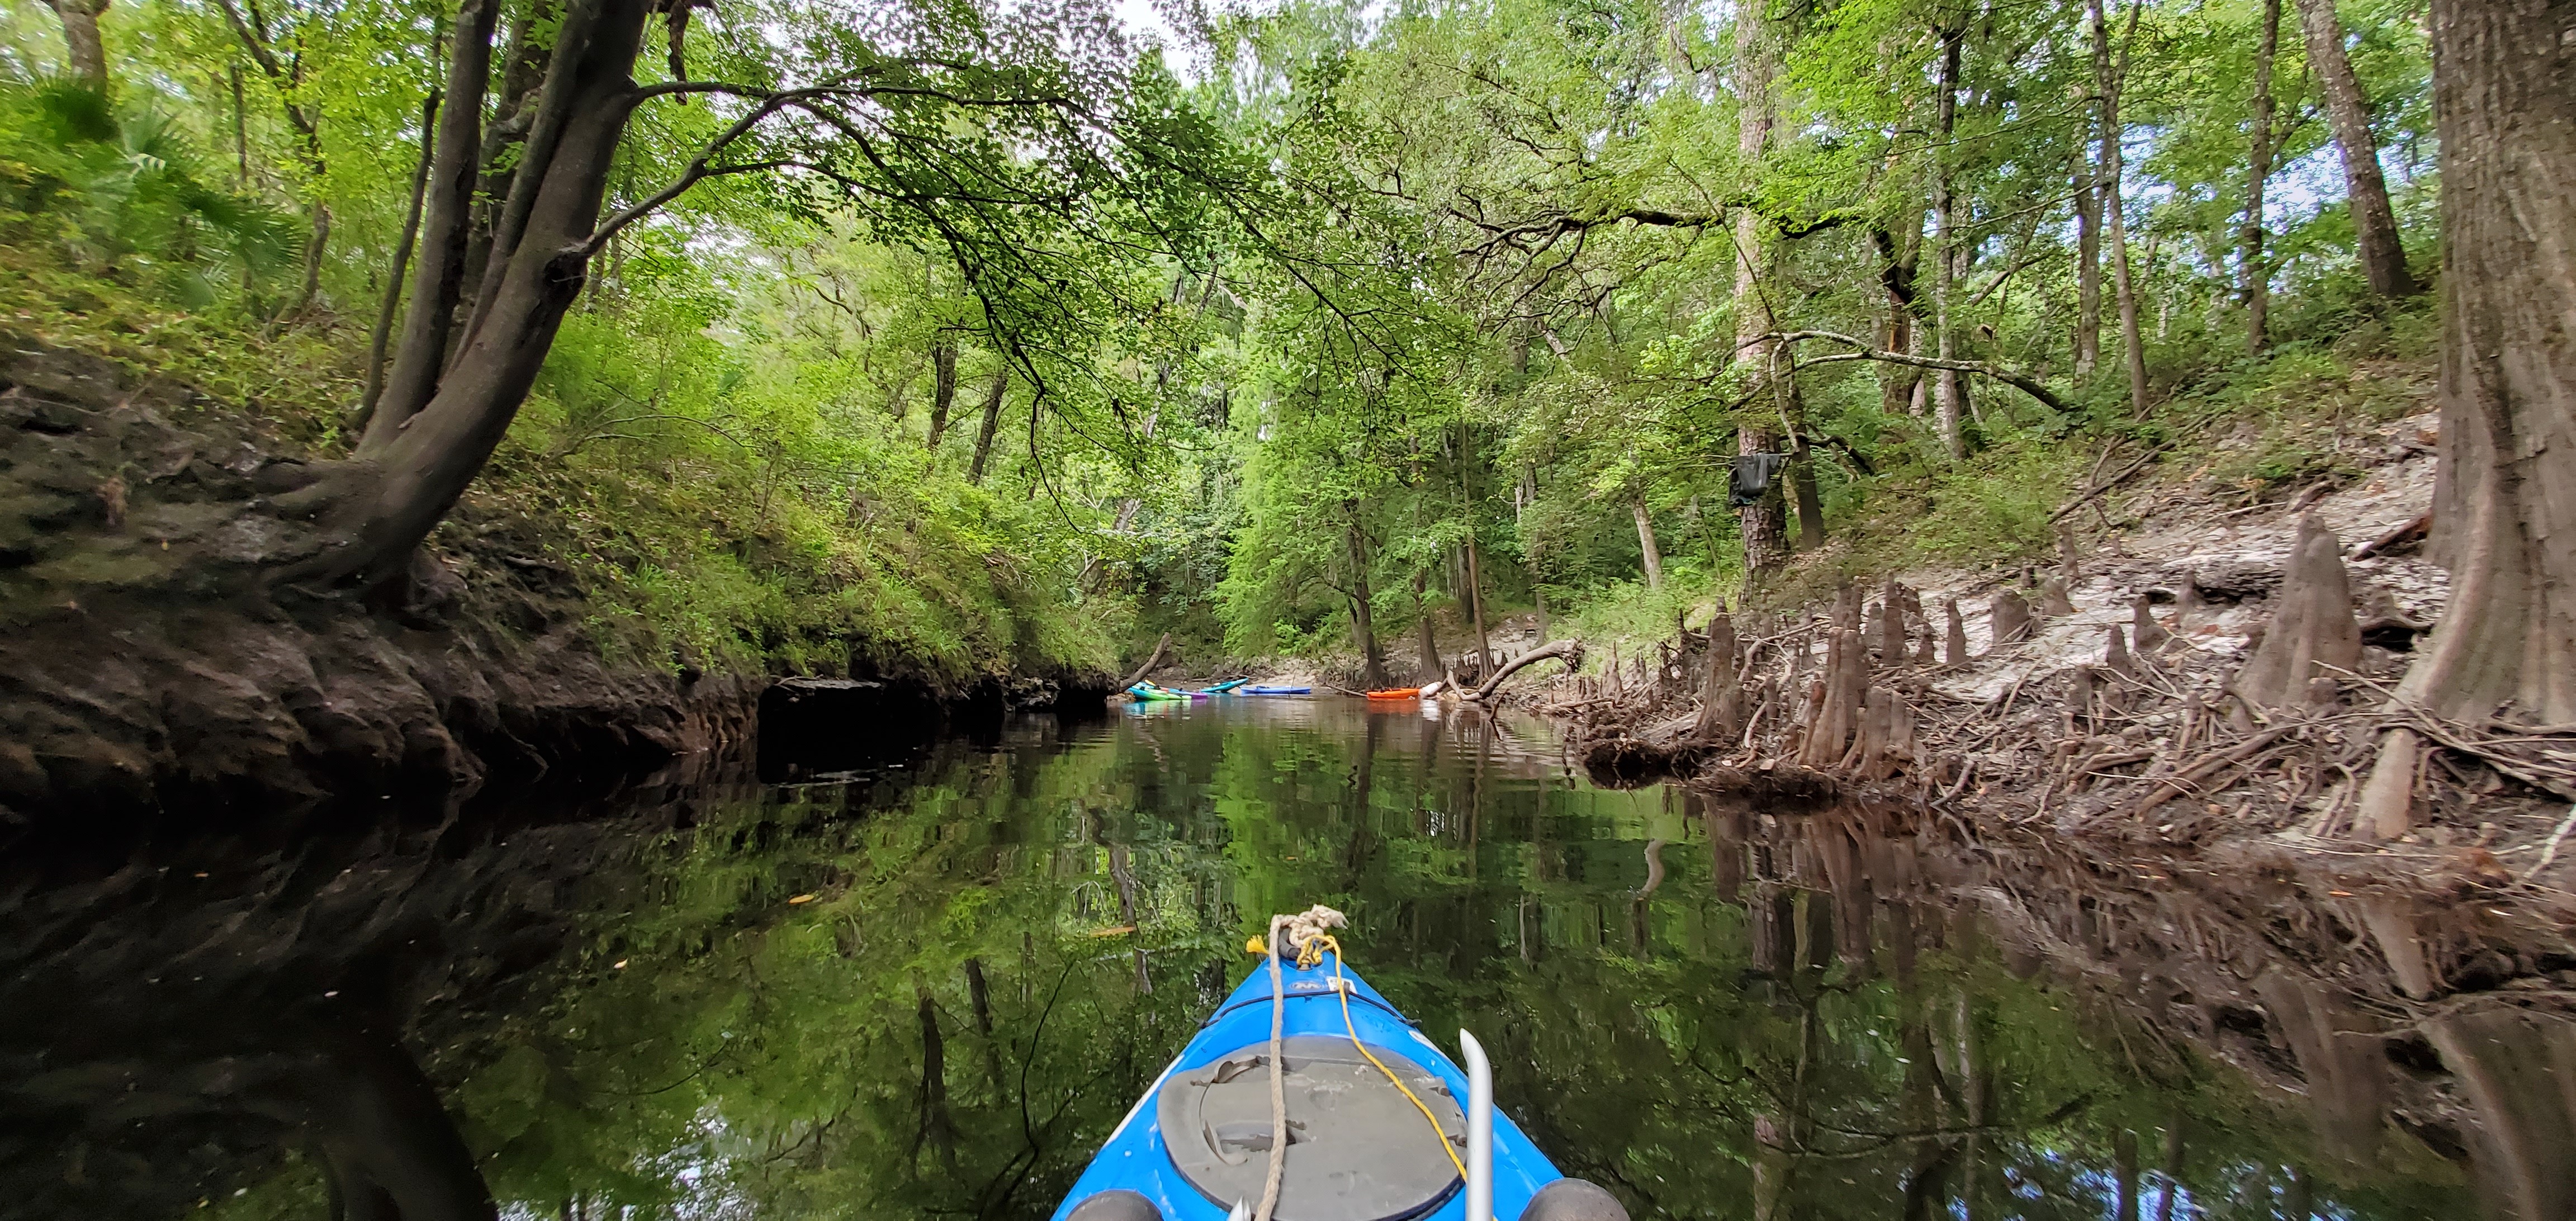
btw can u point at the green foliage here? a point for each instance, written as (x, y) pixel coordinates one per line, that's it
(1278, 342)
(122, 197)
(1563, 188)
(1999, 510)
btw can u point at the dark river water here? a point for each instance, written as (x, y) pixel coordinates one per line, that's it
(930, 985)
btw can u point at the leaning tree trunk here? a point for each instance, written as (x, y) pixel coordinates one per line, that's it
(81, 45)
(392, 304)
(2503, 517)
(2374, 223)
(1653, 556)
(421, 450)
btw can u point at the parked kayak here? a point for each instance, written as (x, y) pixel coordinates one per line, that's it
(1225, 688)
(1395, 693)
(1362, 1147)
(1148, 691)
(1266, 690)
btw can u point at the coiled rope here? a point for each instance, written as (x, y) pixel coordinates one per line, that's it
(1309, 932)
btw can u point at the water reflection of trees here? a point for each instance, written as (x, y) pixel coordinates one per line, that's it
(931, 992)
(1918, 1026)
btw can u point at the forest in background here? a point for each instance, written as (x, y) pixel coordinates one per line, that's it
(1291, 340)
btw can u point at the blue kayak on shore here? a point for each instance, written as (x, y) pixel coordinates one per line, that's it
(1275, 690)
(1360, 1147)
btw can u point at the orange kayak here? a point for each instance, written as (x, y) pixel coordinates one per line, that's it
(1395, 693)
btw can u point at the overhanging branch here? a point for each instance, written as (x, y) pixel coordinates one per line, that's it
(1862, 350)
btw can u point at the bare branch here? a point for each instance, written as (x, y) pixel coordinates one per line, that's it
(1861, 350)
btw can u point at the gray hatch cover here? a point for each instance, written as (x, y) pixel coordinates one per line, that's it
(1357, 1151)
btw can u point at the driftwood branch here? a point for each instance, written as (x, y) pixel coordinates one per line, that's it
(2108, 484)
(2413, 527)
(1150, 663)
(1570, 650)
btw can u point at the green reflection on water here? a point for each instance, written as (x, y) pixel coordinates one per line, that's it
(1002, 947)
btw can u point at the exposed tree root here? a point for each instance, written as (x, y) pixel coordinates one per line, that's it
(2162, 740)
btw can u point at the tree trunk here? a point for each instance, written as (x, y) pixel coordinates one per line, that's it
(2088, 267)
(2106, 80)
(1653, 555)
(1476, 608)
(1426, 644)
(316, 243)
(2124, 1169)
(979, 996)
(992, 420)
(2502, 516)
(2374, 223)
(1945, 117)
(1363, 630)
(438, 282)
(943, 387)
(254, 37)
(392, 304)
(241, 131)
(82, 48)
(414, 464)
(1899, 257)
(535, 34)
(1764, 524)
(2256, 278)
(1802, 470)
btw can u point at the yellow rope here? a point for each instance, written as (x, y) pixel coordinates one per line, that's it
(1342, 989)
(1310, 953)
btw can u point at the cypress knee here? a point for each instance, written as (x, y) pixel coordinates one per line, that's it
(2011, 618)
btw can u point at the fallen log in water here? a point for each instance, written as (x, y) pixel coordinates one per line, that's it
(1570, 650)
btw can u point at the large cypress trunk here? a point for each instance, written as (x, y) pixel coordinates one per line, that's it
(2504, 517)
